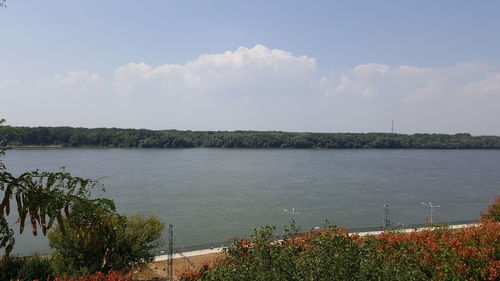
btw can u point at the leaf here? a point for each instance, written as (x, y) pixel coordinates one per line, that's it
(6, 257)
(60, 221)
(7, 208)
(66, 209)
(42, 221)
(19, 203)
(4, 241)
(33, 222)
(4, 206)
(22, 216)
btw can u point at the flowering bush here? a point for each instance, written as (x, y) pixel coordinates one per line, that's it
(99, 276)
(493, 211)
(469, 253)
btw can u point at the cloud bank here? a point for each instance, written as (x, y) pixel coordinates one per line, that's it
(255, 71)
(263, 89)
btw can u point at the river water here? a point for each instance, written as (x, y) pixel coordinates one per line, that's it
(211, 195)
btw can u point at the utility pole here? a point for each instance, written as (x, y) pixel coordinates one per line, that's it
(386, 222)
(170, 259)
(392, 126)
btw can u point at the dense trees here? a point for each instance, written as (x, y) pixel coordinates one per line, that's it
(113, 137)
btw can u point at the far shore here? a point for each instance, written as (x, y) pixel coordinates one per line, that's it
(33, 146)
(12, 147)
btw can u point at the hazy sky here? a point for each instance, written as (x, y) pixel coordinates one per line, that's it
(323, 66)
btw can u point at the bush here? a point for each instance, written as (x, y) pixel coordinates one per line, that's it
(99, 276)
(26, 268)
(97, 239)
(35, 268)
(10, 269)
(470, 253)
(492, 213)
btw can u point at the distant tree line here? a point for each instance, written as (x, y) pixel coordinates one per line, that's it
(142, 138)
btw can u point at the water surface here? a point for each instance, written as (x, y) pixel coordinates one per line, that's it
(210, 195)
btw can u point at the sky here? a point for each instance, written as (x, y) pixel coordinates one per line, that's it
(314, 66)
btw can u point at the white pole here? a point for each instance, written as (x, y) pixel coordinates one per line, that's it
(431, 213)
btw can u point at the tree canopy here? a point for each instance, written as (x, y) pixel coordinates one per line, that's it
(131, 138)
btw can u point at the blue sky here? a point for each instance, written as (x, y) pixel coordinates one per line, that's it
(432, 66)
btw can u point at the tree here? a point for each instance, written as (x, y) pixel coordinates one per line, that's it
(41, 197)
(98, 239)
(89, 235)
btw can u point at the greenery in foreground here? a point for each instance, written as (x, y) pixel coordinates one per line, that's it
(129, 138)
(471, 253)
(91, 239)
(86, 232)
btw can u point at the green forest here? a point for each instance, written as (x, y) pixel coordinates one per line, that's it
(143, 138)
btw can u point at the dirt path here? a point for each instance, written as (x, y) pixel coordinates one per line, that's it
(158, 269)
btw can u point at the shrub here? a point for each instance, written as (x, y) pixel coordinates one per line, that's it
(470, 253)
(99, 276)
(10, 269)
(35, 268)
(97, 239)
(493, 211)
(26, 268)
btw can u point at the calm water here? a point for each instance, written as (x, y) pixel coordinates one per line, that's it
(210, 195)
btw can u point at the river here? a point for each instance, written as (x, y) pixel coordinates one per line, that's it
(210, 195)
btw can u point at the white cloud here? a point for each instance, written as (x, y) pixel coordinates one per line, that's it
(372, 69)
(264, 89)
(71, 82)
(463, 97)
(488, 86)
(409, 83)
(428, 92)
(246, 71)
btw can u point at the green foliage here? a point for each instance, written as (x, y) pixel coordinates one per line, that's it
(334, 257)
(113, 137)
(136, 241)
(35, 268)
(26, 268)
(90, 236)
(42, 198)
(469, 253)
(493, 211)
(98, 239)
(10, 269)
